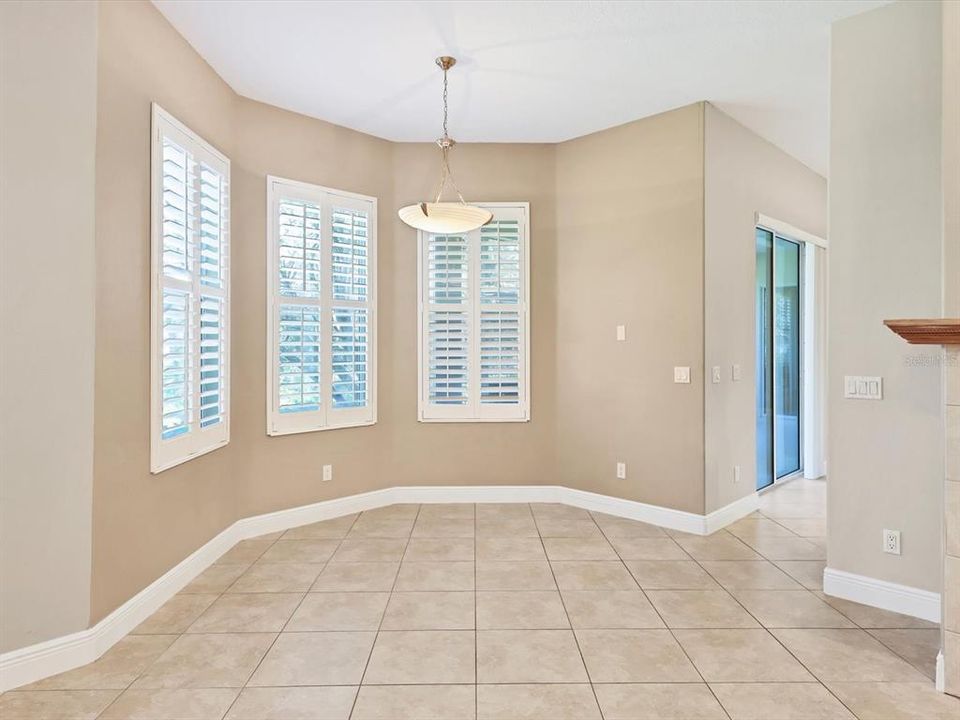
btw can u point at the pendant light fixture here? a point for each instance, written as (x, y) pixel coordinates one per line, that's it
(445, 217)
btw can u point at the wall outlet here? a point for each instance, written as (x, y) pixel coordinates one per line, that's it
(891, 542)
(621, 332)
(681, 375)
(736, 474)
(716, 374)
(327, 473)
(621, 471)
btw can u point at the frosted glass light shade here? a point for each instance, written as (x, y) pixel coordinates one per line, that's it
(445, 217)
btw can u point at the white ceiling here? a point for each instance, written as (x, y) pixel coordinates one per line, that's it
(536, 71)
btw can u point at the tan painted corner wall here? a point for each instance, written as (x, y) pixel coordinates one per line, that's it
(630, 252)
(743, 175)
(472, 453)
(48, 86)
(143, 524)
(886, 463)
(272, 473)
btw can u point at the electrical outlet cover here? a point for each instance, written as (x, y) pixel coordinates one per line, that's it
(891, 542)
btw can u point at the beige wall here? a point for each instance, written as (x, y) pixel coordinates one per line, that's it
(143, 524)
(47, 277)
(630, 252)
(280, 472)
(470, 453)
(743, 175)
(885, 458)
(271, 473)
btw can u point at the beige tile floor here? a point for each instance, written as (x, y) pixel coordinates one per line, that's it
(490, 612)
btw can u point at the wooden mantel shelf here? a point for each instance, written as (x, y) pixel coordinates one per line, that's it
(933, 331)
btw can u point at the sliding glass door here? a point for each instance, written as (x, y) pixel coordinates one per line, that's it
(778, 353)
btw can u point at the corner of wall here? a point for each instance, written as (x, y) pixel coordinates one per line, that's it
(48, 120)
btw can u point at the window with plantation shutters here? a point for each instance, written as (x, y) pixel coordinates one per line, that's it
(190, 289)
(321, 308)
(474, 329)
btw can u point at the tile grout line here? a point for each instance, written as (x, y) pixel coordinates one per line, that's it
(181, 634)
(285, 624)
(383, 617)
(566, 612)
(778, 640)
(659, 615)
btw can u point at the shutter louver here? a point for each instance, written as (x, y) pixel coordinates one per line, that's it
(348, 249)
(348, 360)
(299, 251)
(449, 358)
(175, 364)
(299, 358)
(499, 357)
(212, 398)
(473, 321)
(448, 269)
(191, 306)
(500, 263)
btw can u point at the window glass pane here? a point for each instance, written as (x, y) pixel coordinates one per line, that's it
(764, 358)
(786, 369)
(348, 250)
(349, 357)
(298, 249)
(298, 358)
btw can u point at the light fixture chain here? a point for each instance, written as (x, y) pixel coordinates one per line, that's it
(445, 103)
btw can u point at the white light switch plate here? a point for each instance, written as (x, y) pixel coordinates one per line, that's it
(621, 332)
(863, 387)
(736, 373)
(681, 375)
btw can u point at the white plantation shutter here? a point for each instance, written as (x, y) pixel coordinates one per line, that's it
(474, 362)
(321, 364)
(190, 314)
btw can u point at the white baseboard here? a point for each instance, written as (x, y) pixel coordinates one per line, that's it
(939, 674)
(881, 594)
(35, 662)
(719, 519)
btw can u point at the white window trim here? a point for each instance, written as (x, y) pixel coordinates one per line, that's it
(165, 454)
(326, 418)
(436, 415)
